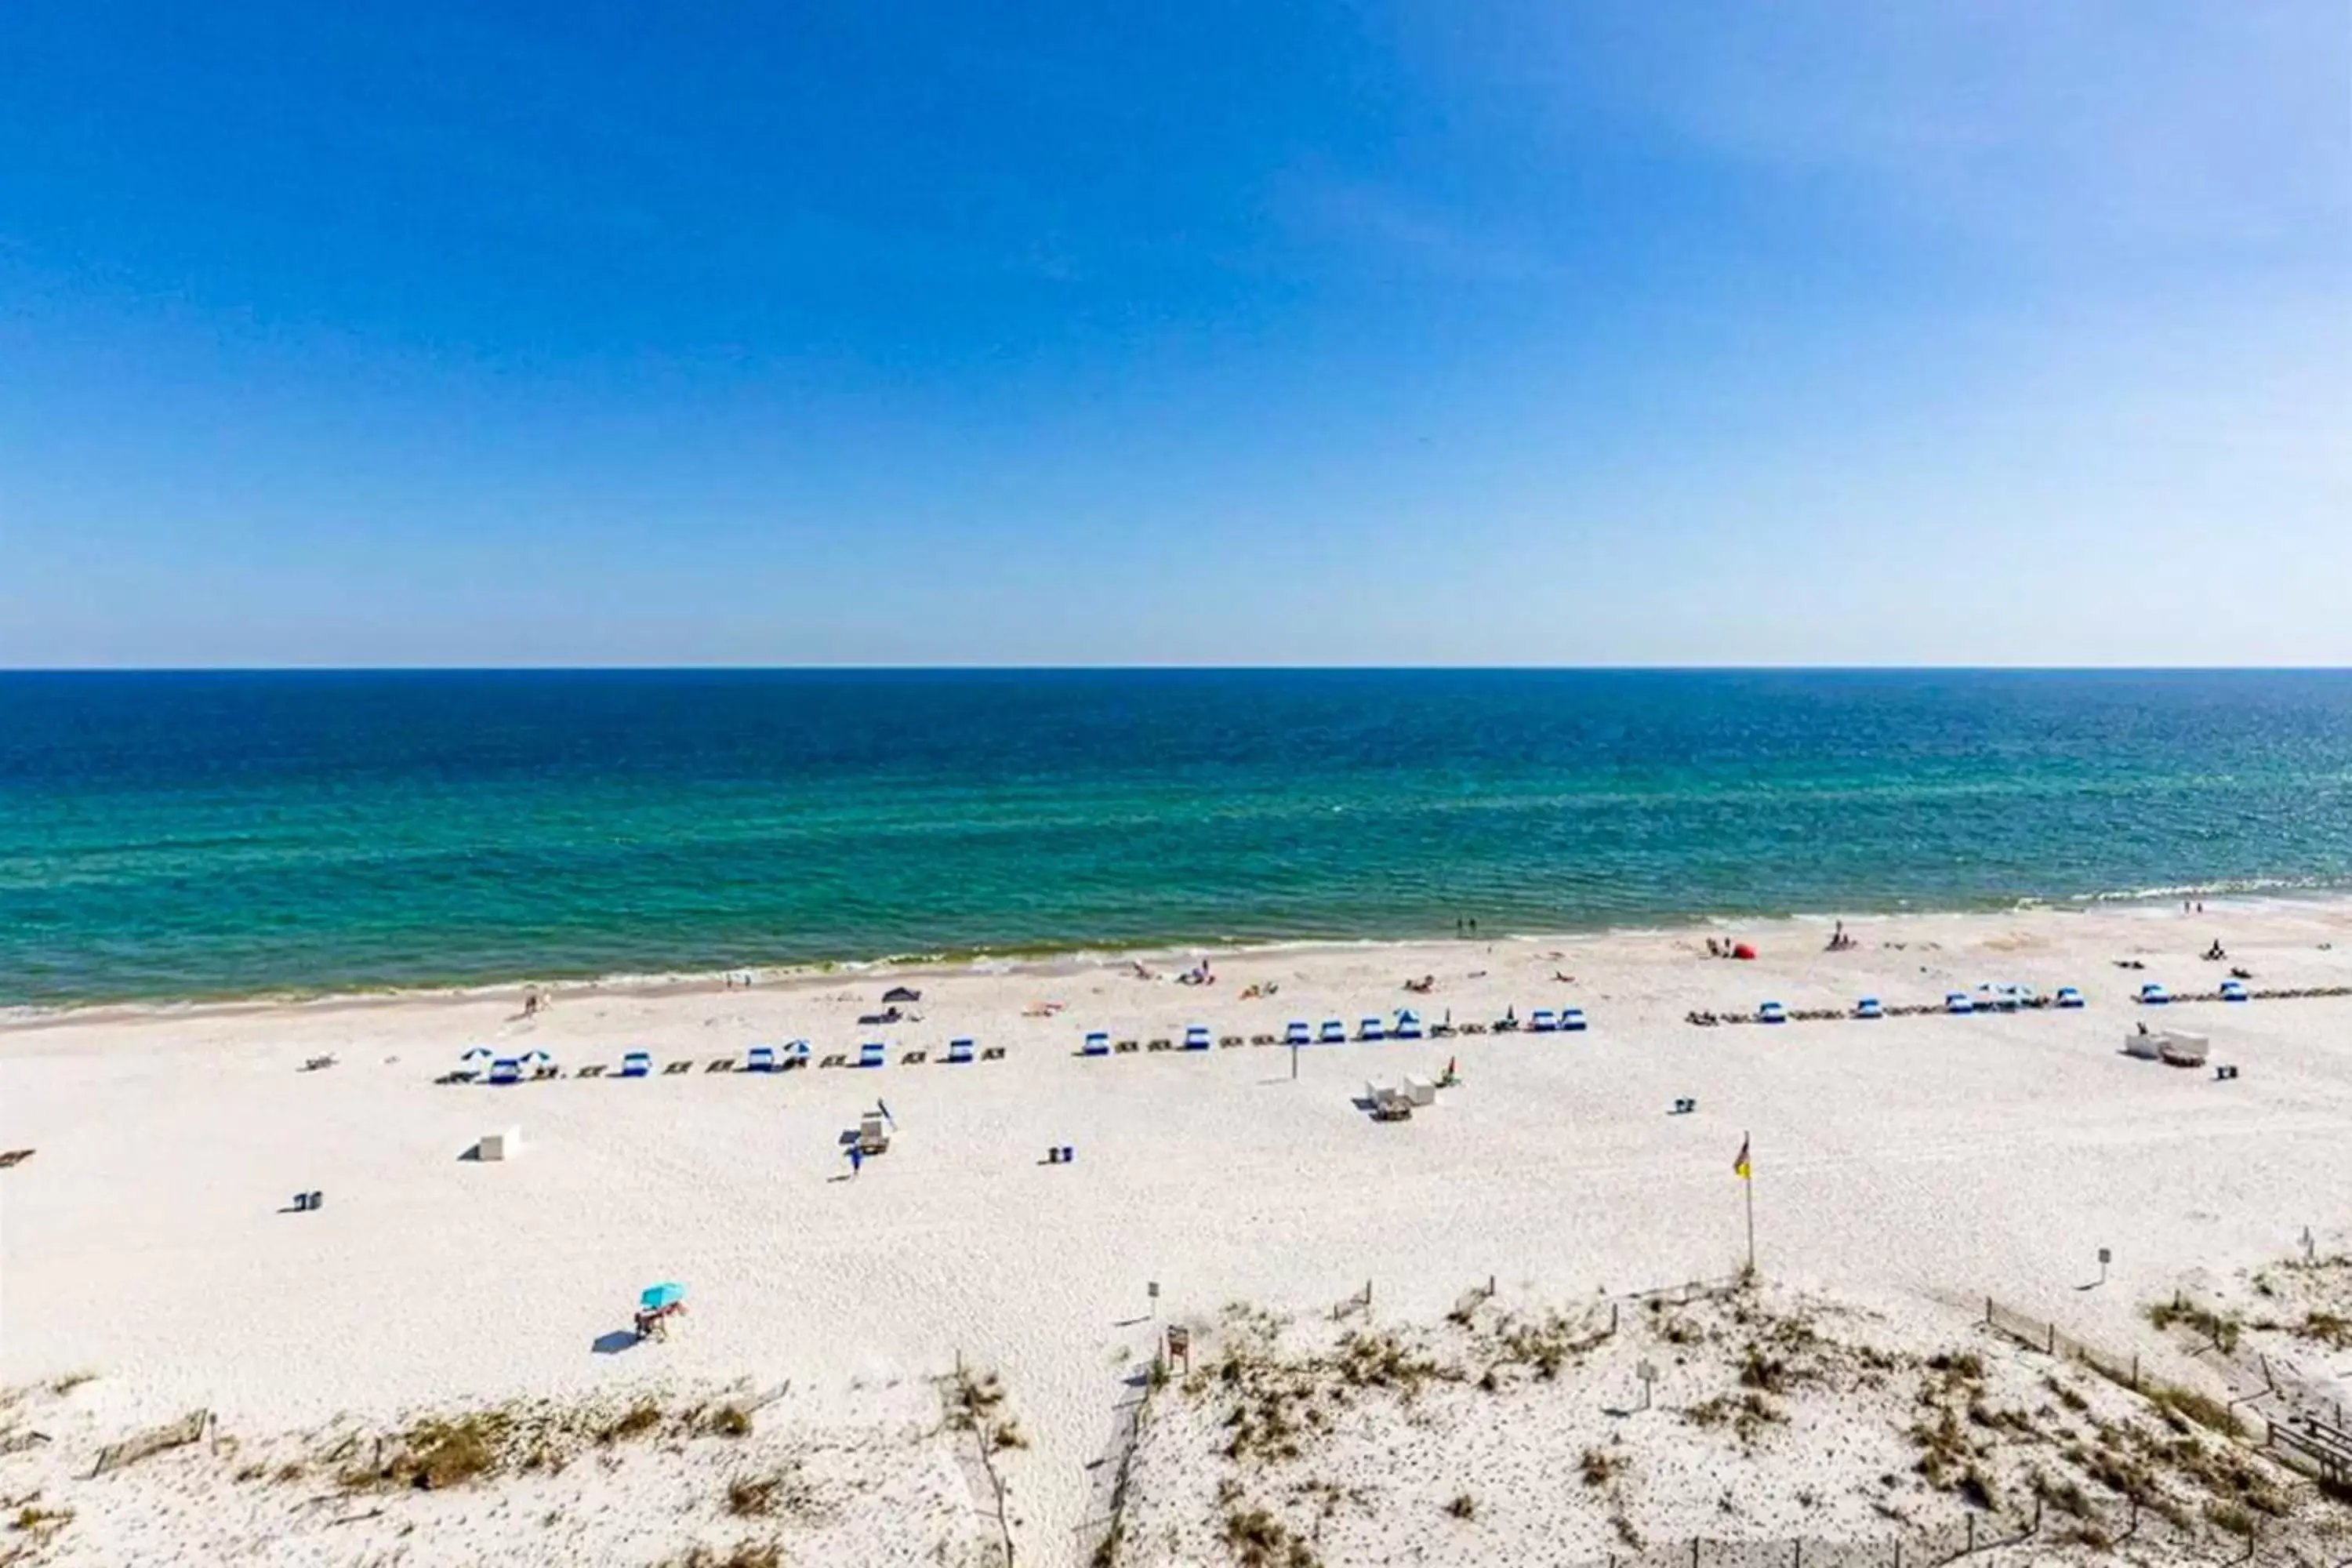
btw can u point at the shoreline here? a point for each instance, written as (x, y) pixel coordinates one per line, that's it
(1915, 1165)
(2246, 896)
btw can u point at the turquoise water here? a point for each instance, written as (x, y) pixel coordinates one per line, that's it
(167, 835)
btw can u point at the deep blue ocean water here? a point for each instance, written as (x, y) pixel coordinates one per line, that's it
(218, 833)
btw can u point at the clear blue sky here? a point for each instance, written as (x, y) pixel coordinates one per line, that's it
(1524, 333)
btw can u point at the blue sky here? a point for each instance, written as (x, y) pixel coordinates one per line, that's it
(882, 332)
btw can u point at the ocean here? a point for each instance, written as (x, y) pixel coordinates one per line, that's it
(166, 835)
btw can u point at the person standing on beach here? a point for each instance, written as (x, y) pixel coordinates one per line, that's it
(856, 1161)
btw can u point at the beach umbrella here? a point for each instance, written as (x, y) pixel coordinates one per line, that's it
(654, 1297)
(533, 1058)
(479, 1054)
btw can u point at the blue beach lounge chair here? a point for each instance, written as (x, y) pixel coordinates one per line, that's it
(759, 1059)
(1408, 1026)
(1957, 1002)
(1571, 1018)
(1298, 1033)
(869, 1055)
(636, 1064)
(1542, 1022)
(1098, 1044)
(2233, 991)
(1196, 1038)
(1771, 1013)
(958, 1052)
(1334, 1033)
(2154, 996)
(506, 1069)
(1372, 1029)
(1869, 1007)
(2068, 996)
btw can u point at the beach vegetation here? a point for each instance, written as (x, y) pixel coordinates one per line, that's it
(745, 1553)
(69, 1382)
(972, 1396)
(1464, 1506)
(2180, 1404)
(640, 1419)
(729, 1420)
(1599, 1467)
(2220, 1328)
(1757, 1370)
(34, 1520)
(2332, 1329)
(438, 1452)
(1258, 1539)
(752, 1495)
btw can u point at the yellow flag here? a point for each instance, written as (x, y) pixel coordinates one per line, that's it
(1741, 1166)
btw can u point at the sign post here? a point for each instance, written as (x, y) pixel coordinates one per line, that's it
(1648, 1373)
(2105, 1257)
(1152, 1289)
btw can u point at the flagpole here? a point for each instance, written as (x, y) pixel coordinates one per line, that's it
(1749, 1182)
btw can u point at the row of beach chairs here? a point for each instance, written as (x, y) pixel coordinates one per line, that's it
(759, 1058)
(1956, 1002)
(2151, 994)
(2155, 996)
(1334, 1032)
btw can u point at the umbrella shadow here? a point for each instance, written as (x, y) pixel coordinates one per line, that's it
(615, 1342)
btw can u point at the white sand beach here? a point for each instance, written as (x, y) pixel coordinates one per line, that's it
(1905, 1170)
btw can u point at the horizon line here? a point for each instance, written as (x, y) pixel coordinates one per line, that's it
(1174, 668)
